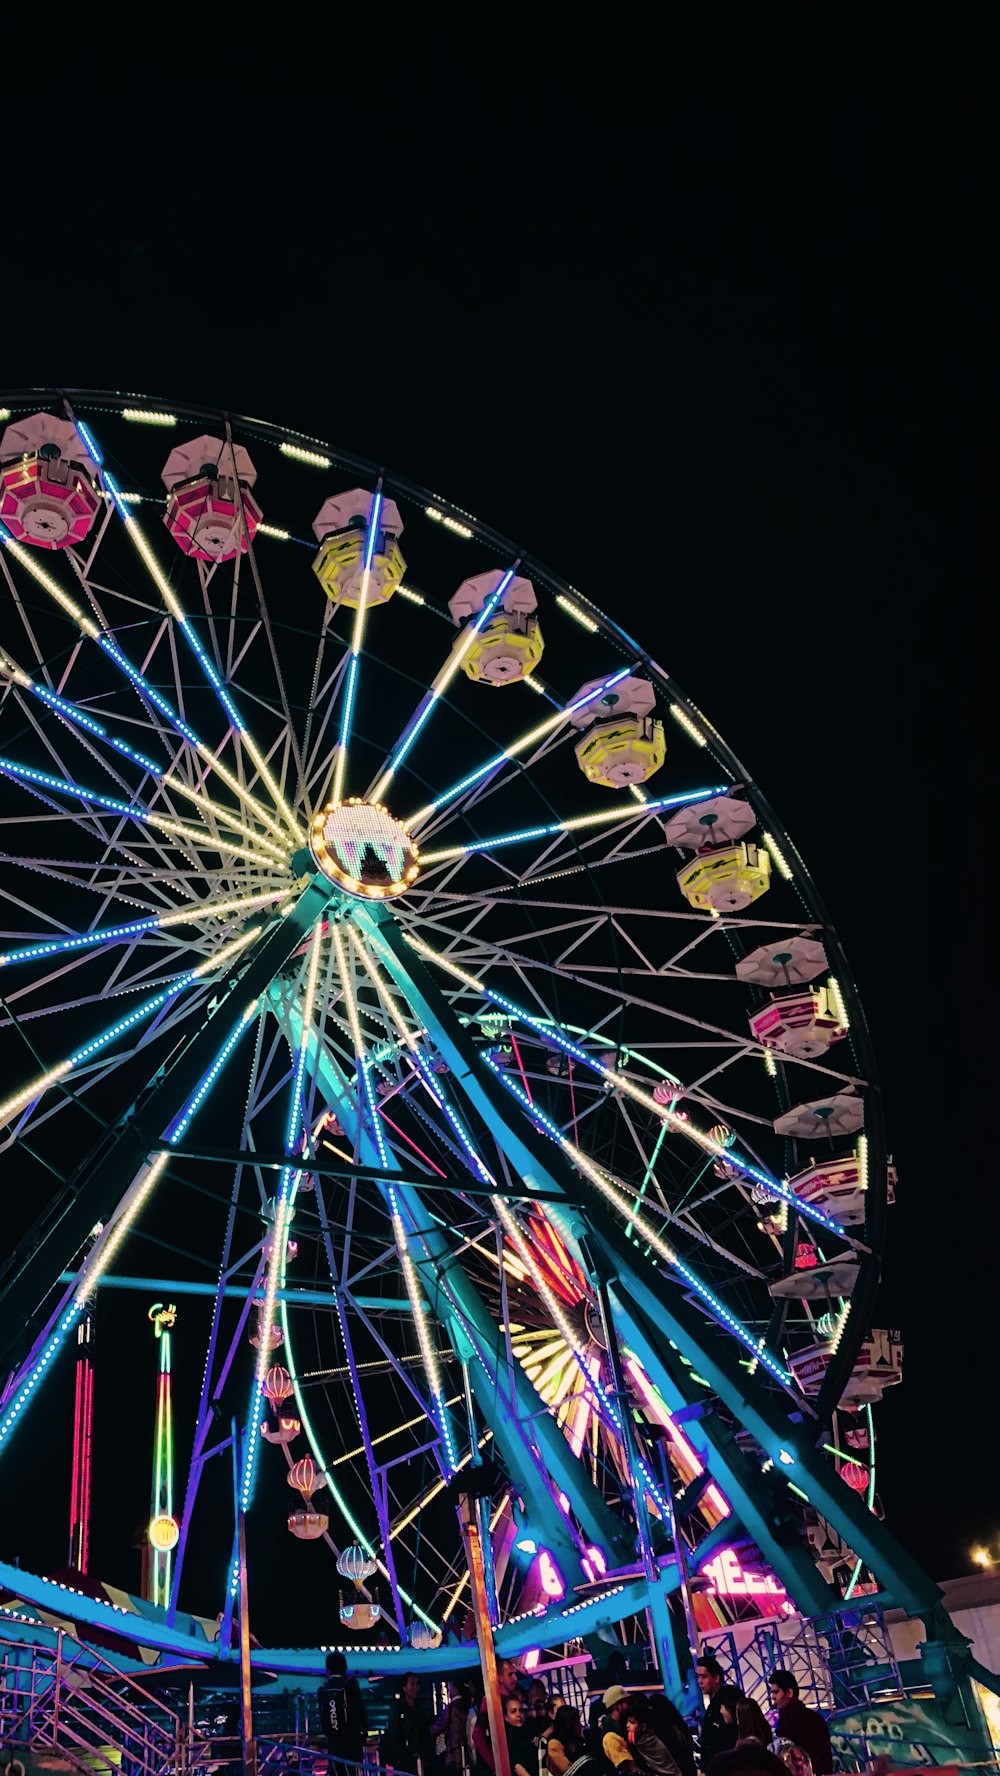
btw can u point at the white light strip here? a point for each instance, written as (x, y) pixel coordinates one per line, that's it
(408, 592)
(779, 860)
(143, 416)
(837, 1001)
(271, 530)
(451, 524)
(684, 720)
(578, 616)
(180, 616)
(314, 458)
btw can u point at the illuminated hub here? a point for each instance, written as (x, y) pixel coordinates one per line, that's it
(211, 513)
(49, 494)
(364, 849)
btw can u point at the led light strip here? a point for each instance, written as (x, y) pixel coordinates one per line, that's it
(518, 746)
(357, 638)
(177, 611)
(427, 1351)
(87, 627)
(627, 1209)
(146, 816)
(55, 1074)
(677, 1122)
(95, 1265)
(603, 818)
(440, 685)
(135, 927)
(283, 1207)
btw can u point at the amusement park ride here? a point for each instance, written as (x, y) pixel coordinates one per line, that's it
(488, 1064)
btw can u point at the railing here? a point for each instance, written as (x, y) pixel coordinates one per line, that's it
(70, 1699)
(842, 1660)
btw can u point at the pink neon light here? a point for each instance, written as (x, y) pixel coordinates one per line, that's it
(531, 1659)
(664, 1416)
(550, 1576)
(520, 1064)
(731, 1579)
(405, 1137)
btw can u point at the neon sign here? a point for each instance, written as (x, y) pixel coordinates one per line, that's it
(730, 1579)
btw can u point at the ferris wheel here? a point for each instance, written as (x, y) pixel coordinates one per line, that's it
(387, 924)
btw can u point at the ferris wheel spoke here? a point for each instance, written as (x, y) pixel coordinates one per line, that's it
(183, 622)
(633, 814)
(18, 1100)
(188, 915)
(153, 700)
(442, 680)
(347, 707)
(515, 749)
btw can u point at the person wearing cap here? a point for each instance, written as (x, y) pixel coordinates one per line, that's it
(614, 1740)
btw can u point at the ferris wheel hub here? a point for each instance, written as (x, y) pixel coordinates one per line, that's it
(364, 849)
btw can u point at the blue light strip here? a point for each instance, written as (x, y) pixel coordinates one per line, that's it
(67, 945)
(143, 685)
(288, 1184)
(720, 1312)
(83, 720)
(486, 1177)
(347, 713)
(87, 439)
(560, 826)
(500, 758)
(25, 774)
(425, 708)
(552, 1034)
(204, 660)
(197, 1098)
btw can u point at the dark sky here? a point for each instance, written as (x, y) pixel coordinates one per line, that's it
(718, 308)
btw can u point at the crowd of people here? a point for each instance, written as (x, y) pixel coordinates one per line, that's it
(628, 1732)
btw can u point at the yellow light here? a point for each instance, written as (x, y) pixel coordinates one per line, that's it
(603, 818)
(4, 413)
(27, 559)
(451, 524)
(142, 416)
(684, 720)
(102, 1255)
(271, 530)
(783, 866)
(208, 910)
(837, 1000)
(770, 1064)
(982, 1557)
(408, 592)
(34, 1090)
(534, 685)
(578, 615)
(640, 794)
(863, 1161)
(314, 458)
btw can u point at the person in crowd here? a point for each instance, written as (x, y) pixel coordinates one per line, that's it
(449, 1728)
(406, 1742)
(669, 1724)
(566, 1748)
(748, 1759)
(615, 1672)
(538, 1712)
(521, 1752)
(342, 1711)
(718, 1727)
(613, 1731)
(751, 1722)
(482, 1750)
(803, 1726)
(651, 1753)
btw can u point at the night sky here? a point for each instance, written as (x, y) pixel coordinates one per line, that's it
(705, 327)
